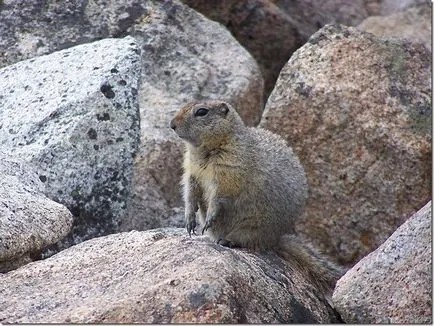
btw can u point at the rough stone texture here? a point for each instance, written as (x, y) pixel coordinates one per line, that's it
(73, 115)
(391, 6)
(190, 54)
(29, 221)
(159, 276)
(27, 26)
(322, 12)
(184, 57)
(393, 284)
(270, 35)
(357, 110)
(413, 24)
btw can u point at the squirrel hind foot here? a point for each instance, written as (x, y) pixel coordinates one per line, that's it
(227, 243)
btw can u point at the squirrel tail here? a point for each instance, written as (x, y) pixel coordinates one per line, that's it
(323, 273)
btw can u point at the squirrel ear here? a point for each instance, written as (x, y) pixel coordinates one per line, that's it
(224, 108)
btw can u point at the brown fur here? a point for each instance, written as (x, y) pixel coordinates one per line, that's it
(246, 184)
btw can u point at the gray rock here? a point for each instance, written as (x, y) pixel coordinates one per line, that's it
(159, 276)
(272, 30)
(413, 24)
(266, 31)
(357, 111)
(73, 116)
(392, 6)
(321, 12)
(190, 56)
(183, 59)
(29, 221)
(27, 26)
(393, 284)
(187, 57)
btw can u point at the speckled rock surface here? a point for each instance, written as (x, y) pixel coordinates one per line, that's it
(413, 24)
(159, 276)
(392, 6)
(267, 32)
(29, 221)
(27, 26)
(393, 284)
(357, 111)
(322, 12)
(185, 55)
(73, 116)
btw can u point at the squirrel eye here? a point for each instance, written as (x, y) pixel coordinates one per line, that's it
(200, 112)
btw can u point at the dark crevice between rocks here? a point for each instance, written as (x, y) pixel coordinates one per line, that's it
(300, 314)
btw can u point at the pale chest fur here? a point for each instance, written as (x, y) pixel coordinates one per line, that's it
(216, 174)
(203, 171)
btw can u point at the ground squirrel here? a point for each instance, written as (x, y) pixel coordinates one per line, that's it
(247, 186)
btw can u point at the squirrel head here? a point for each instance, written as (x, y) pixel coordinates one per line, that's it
(206, 123)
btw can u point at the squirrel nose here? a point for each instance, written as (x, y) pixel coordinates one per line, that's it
(172, 124)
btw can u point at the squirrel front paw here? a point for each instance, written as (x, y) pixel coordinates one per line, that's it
(191, 226)
(210, 219)
(208, 224)
(216, 212)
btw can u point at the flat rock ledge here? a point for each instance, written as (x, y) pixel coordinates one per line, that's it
(159, 276)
